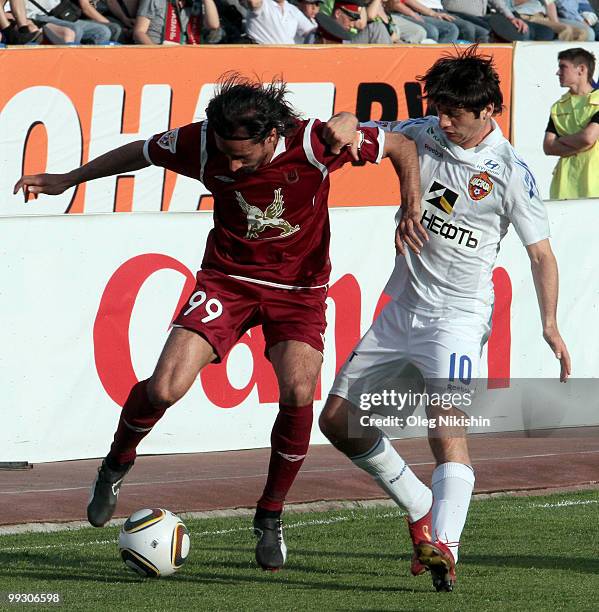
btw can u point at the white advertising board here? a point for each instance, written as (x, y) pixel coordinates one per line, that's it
(86, 303)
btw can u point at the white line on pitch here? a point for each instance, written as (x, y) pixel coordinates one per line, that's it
(309, 523)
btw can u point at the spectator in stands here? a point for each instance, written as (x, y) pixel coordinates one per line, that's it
(361, 22)
(276, 22)
(178, 22)
(330, 31)
(503, 20)
(569, 13)
(18, 30)
(124, 11)
(310, 9)
(545, 13)
(91, 9)
(84, 30)
(439, 27)
(590, 16)
(573, 129)
(467, 30)
(408, 31)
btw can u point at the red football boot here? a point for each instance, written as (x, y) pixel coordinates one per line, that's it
(437, 557)
(420, 531)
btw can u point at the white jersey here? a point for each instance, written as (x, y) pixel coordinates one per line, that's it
(469, 198)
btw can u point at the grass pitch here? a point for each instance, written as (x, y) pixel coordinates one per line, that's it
(518, 553)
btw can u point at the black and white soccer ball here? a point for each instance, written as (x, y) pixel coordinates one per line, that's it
(154, 542)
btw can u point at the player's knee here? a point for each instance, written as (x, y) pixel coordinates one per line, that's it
(162, 394)
(333, 419)
(297, 393)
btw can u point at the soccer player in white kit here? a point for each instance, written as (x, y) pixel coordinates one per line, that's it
(474, 185)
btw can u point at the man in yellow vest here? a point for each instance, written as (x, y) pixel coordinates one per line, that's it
(573, 129)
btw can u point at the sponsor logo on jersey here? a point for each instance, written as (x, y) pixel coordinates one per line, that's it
(259, 220)
(461, 237)
(168, 141)
(431, 132)
(224, 179)
(292, 176)
(438, 154)
(443, 198)
(480, 186)
(362, 139)
(491, 164)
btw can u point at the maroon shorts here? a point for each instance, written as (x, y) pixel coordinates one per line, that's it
(222, 309)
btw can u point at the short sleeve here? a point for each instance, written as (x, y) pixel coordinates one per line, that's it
(409, 128)
(178, 150)
(370, 148)
(524, 207)
(551, 126)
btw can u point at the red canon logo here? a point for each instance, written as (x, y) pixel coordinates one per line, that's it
(112, 349)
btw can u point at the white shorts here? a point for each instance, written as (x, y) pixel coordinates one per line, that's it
(446, 352)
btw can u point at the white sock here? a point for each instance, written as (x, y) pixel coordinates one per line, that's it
(396, 478)
(452, 485)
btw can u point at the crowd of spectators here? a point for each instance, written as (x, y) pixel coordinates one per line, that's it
(290, 22)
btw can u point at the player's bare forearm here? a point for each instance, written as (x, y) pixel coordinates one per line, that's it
(546, 280)
(128, 158)
(122, 160)
(404, 156)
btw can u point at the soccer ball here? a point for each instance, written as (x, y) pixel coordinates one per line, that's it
(154, 542)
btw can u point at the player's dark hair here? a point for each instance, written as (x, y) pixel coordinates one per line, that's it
(465, 80)
(243, 105)
(579, 56)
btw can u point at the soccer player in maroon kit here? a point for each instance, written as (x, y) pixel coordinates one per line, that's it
(266, 263)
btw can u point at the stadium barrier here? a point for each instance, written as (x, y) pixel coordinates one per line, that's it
(88, 299)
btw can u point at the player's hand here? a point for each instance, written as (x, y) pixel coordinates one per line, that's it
(444, 16)
(410, 231)
(341, 131)
(34, 184)
(558, 346)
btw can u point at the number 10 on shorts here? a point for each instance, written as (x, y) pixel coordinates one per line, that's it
(212, 307)
(464, 368)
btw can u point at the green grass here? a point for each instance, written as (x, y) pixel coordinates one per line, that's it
(518, 554)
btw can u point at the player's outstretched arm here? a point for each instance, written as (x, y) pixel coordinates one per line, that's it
(546, 279)
(125, 159)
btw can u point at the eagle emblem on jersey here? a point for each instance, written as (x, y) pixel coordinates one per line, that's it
(480, 186)
(258, 221)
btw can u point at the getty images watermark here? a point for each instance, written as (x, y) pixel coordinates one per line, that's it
(385, 409)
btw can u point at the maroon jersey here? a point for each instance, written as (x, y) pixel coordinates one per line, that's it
(270, 226)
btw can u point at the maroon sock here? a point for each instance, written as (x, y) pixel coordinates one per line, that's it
(289, 440)
(137, 419)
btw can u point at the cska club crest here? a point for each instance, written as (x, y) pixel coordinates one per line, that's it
(258, 221)
(480, 186)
